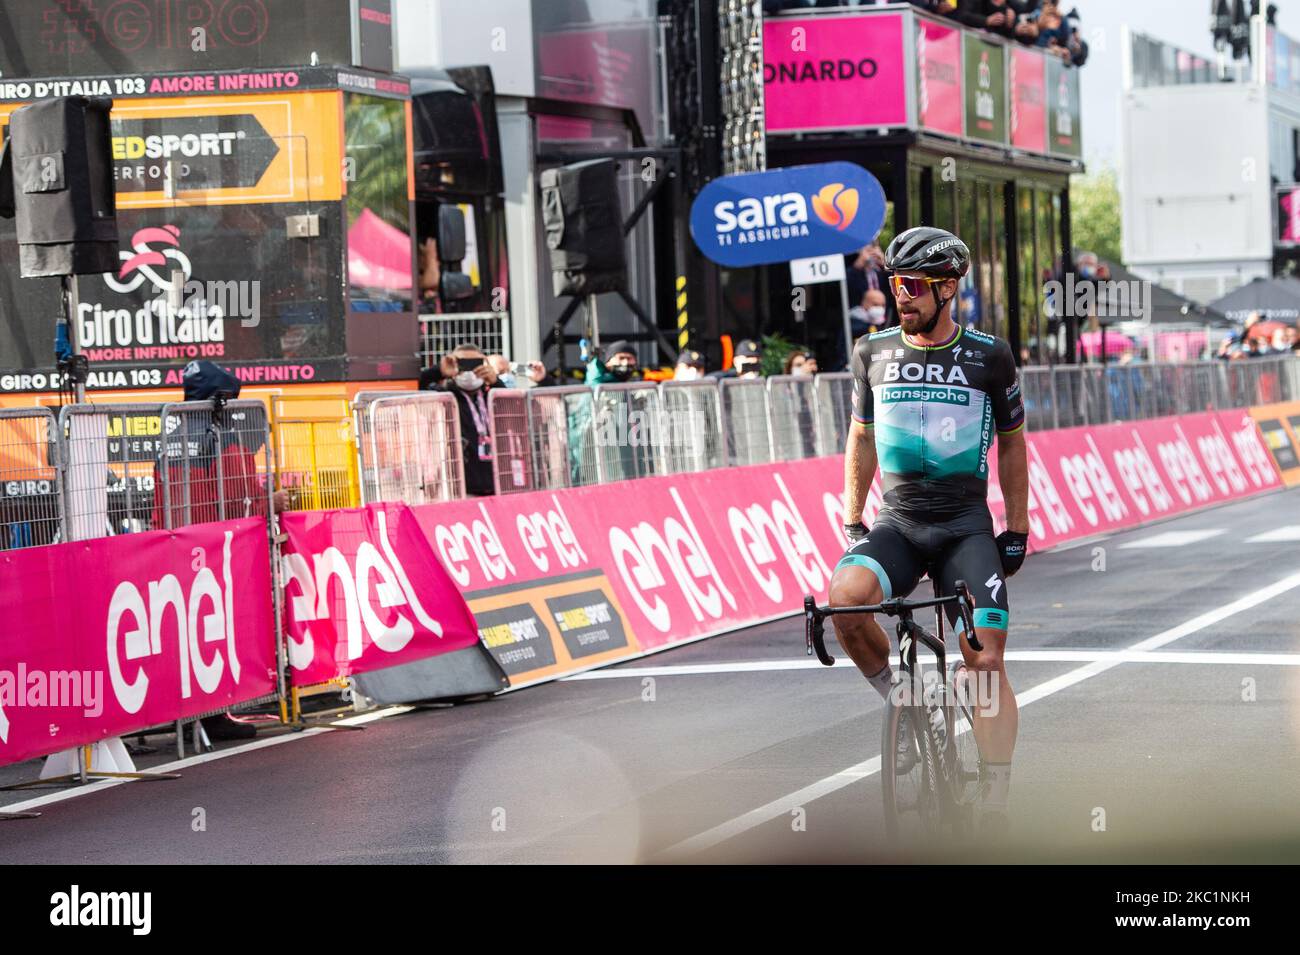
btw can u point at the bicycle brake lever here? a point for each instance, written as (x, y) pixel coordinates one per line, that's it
(966, 610)
(815, 632)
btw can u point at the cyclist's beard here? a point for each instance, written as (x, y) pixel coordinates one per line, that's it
(915, 324)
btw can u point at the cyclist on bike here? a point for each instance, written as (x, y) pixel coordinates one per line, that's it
(927, 396)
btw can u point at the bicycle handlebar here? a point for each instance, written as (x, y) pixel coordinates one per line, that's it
(814, 617)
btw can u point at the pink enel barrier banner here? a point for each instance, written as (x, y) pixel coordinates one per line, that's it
(364, 591)
(834, 72)
(109, 636)
(698, 554)
(939, 76)
(1028, 100)
(105, 637)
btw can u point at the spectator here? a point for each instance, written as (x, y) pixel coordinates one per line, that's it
(746, 362)
(210, 465)
(1076, 44)
(867, 273)
(430, 276)
(618, 365)
(501, 365)
(801, 363)
(1053, 32)
(690, 366)
(996, 16)
(870, 316)
(467, 375)
(533, 374)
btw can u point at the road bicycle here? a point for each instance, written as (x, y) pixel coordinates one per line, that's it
(931, 781)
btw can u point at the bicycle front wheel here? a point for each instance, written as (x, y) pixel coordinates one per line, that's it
(908, 776)
(964, 754)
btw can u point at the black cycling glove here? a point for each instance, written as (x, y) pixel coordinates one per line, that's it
(855, 532)
(1012, 546)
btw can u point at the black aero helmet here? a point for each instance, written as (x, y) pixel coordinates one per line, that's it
(925, 249)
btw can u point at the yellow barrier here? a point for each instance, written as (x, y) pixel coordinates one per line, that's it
(316, 452)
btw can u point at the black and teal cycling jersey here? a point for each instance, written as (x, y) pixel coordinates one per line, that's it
(934, 410)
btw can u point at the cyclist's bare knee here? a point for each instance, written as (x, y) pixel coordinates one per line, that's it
(854, 587)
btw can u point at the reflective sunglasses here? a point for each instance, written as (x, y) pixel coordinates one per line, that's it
(914, 287)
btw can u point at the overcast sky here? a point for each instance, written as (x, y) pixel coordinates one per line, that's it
(1184, 23)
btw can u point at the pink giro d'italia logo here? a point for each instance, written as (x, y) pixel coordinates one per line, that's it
(139, 265)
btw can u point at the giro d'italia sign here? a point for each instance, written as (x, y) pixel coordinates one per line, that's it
(798, 212)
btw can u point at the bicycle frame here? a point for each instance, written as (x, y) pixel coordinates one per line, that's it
(910, 634)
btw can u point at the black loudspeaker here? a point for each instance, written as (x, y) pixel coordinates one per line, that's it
(56, 177)
(451, 235)
(583, 219)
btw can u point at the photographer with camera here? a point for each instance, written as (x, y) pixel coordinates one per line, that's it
(466, 374)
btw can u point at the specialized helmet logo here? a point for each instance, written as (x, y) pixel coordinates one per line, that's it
(836, 206)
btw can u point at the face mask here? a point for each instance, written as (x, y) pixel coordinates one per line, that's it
(468, 381)
(507, 380)
(621, 372)
(801, 372)
(876, 314)
(688, 373)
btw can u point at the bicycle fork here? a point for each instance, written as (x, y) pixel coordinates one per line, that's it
(931, 719)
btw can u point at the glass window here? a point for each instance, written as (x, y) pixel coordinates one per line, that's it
(945, 198)
(968, 228)
(1048, 264)
(984, 319)
(380, 250)
(1031, 343)
(913, 196)
(997, 259)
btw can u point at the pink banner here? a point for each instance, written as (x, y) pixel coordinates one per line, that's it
(938, 76)
(108, 636)
(692, 555)
(1289, 220)
(363, 591)
(834, 72)
(1028, 100)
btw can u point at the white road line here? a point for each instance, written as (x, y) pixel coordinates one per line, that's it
(189, 761)
(1171, 539)
(1205, 658)
(1278, 535)
(846, 777)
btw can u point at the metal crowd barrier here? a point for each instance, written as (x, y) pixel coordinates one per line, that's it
(791, 406)
(109, 456)
(627, 431)
(315, 448)
(564, 452)
(215, 464)
(31, 479)
(124, 468)
(512, 459)
(409, 447)
(692, 426)
(747, 423)
(833, 410)
(1068, 396)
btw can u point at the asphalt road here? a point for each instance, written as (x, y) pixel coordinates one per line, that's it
(741, 749)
